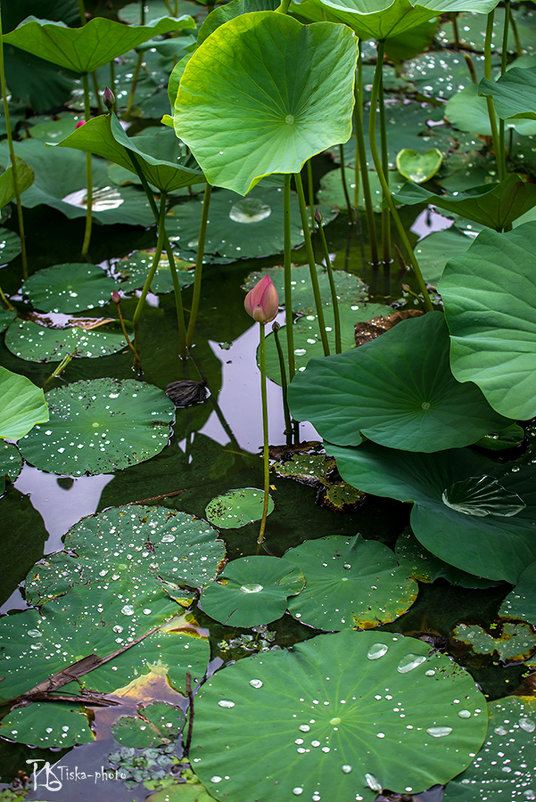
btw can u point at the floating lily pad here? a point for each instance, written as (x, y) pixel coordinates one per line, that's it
(331, 191)
(366, 391)
(7, 316)
(492, 318)
(434, 251)
(47, 725)
(23, 405)
(237, 127)
(100, 425)
(9, 245)
(134, 269)
(350, 289)
(351, 582)
(512, 642)
(151, 544)
(69, 288)
(342, 716)
(237, 508)
(320, 472)
(495, 545)
(156, 723)
(504, 767)
(440, 74)
(418, 167)
(35, 343)
(251, 591)
(521, 602)
(10, 463)
(181, 792)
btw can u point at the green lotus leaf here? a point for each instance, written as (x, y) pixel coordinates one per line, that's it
(483, 538)
(69, 288)
(156, 723)
(134, 269)
(251, 591)
(229, 11)
(52, 129)
(154, 10)
(307, 342)
(171, 549)
(491, 315)
(100, 425)
(331, 190)
(237, 508)
(87, 48)
(419, 167)
(512, 93)
(60, 182)
(434, 251)
(326, 734)
(9, 246)
(351, 582)
(181, 792)
(521, 601)
(513, 642)
(350, 289)
(412, 42)
(49, 725)
(105, 137)
(442, 73)
(511, 437)
(509, 745)
(23, 405)
(496, 206)
(10, 463)
(468, 111)
(397, 390)
(25, 179)
(7, 316)
(260, 113)
(35, 343)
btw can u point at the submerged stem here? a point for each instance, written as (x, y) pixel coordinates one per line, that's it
(265, 462)
(199, 264)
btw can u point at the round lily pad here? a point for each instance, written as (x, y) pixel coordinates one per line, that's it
(331, 191)
(10, 463)
(134, 269)
(511, 642)
(23, 405)
(156, 723)
(521, 602)
(9, 245)
(69, 288)
(504, 767)
(35, 343)
(7, 316)
(100, 425)
(47, 725)
(351, 582)
(252, 591)
(418, 167)
(237, 508)
(338, 716)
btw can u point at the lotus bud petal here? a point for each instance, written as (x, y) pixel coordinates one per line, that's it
(262, 302)
(109, 98)
(318, 216)
(82, 122)
(116, 298)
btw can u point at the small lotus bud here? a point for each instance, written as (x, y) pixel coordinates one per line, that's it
(109, 98)
(275, 326)
(262, 302)
(318, 216)
(82, 122)
(116, 298)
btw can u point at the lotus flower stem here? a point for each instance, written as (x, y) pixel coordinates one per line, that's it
(265, 462)
(513, 23)
(499, 156)
(61, 367)
(284, 386)
(504, 60)
(142, 12)
(199, 265)
(455, 31)
(134, 81)
(156, 259)
(96, 90)
(385, 186)
(89, 178)
(471, 67)
(357, 175)
(345, 186)
(386, 217)
(20, 218)
(112, 79)
(311, 192)
(116, 298)
(283, 7)
(331, 278)
(360, 137)
(312, 266)
(82, 9)
(287, 267)
(6, 301)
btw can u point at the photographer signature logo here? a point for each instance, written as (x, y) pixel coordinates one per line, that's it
(53, 777)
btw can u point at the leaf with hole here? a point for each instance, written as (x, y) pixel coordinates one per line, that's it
(156, 723)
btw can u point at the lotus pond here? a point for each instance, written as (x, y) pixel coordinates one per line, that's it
(290, 554)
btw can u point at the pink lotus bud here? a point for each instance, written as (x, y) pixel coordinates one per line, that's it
(116, 298)
(109, 98)
(262, 302)
(82, 122)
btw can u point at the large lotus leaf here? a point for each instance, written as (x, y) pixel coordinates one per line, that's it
(396, 390)
(495, 206)
(521, 601)
(468, 111)
(105, 137)
(472, 513)
(237, 508)
(349, 288)
(10, 463)
(35, 343)
(23, 405)
(100, 425)
(442, 73)
(60, 182)
(260, 113)
(331, 190)
(49, 725)
(9, 245)
(134, 269)
(511, 642)
(69, 288)
(338, 717)
(229, 11)
(307, 342)
(25, 179)
(351, 582)
(7, 316)
(251, 591)
(87, 48)
(512, 93)
(152, 544)
(181, 792)
(155, 9)
(491, 314)
(156, 723)
(434, 251)
(504, 767)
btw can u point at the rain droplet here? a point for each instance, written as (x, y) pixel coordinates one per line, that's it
(251, 588)
(377, 650)
(439, 732)
(249, 210)
(346, 768)
(256, 683)
(464, 714)
(226, 703)
(128, 609)
(297, 791)
(527, 724)
(304, 727)
(373, 783)
(409, 662)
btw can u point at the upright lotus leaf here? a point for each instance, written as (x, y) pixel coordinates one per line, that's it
(23, 405)
(512, 93)
(491, 314)
(504, 767)
(151, 544)
(68, 288)
(237, 507)
(251, 591)
(495, 206)
(434, 251)
(25, 179)
(331, 188)
(351, 582)
(336, 717)
(100, 425)
(156, 723)
(105, 137)
(36, 343)
(511, 642)
(261, 112)
(87, 48)
(396, 390)
(10, 463)
(419, 167)
(469, 511)
(521, 601)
